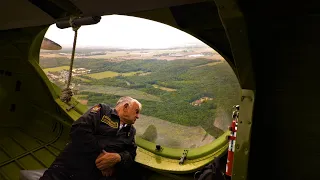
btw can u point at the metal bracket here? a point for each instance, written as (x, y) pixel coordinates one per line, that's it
(72, 24)
(241, 155)
(70, 107)
(183, 157)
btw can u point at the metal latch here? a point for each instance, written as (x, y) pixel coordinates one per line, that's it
(183, 157)
(159, 148)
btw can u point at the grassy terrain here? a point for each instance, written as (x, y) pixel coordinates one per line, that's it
(81, 96)
(101, 75)
(163, 88)
(210, 64)
(119, 91)
(82, 79)
(109, 74)
(131, 73)
(55, 69)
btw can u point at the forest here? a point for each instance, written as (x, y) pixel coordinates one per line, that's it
(176, 84)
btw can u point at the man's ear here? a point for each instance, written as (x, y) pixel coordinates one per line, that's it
(125, 106)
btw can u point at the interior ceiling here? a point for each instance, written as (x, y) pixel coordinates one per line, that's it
(102, 7)
(21, 13)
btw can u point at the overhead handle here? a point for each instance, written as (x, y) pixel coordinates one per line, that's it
(77, 22)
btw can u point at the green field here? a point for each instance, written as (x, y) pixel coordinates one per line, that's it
(210, 64)
(80, 96)
(110, 74)
(82, 79)
(101, 75)
(119, 91)
(131, 73)
(164, 88)
(55, 69)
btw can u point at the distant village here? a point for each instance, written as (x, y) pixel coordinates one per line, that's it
(185, 53)
(62, 76)
(85, 54)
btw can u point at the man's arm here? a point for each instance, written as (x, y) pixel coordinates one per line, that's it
(122, 160)
(82, 130)
(128, 156)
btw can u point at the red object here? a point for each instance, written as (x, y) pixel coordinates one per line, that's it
(232, 144)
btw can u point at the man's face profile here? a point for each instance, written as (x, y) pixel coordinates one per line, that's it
(130, 113)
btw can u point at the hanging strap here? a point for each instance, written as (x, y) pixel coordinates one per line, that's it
(75, 23)
(67, 93)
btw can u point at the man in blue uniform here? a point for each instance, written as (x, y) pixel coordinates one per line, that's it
(102, 144)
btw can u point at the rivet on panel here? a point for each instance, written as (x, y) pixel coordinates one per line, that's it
(237, 146)
(246, 151)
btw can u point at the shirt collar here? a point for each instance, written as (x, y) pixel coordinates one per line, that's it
(122, 125)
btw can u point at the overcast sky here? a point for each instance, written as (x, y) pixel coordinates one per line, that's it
(123, 31)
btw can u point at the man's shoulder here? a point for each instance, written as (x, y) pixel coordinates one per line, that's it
(105, 107)
(101, 107)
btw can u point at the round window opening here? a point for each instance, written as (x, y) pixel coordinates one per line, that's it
(186, 89)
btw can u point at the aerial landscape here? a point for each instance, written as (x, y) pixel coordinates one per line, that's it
(187, 92)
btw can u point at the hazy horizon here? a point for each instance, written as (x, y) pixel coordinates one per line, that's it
(69, 48)
(126, 32)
